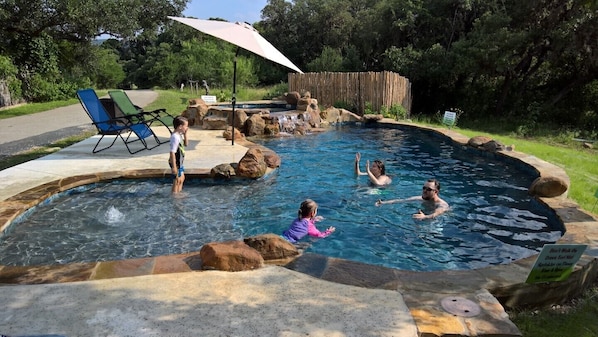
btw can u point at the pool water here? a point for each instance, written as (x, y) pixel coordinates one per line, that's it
(492, 218)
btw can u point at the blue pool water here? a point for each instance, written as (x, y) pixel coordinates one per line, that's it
(492, 218)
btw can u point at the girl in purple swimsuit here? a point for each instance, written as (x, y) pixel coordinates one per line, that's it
(305, 224)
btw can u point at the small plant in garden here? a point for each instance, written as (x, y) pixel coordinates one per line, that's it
(276, 91)
(222, 96)
(368, 110)
(398, 111)
(385, 112)
(345, 105)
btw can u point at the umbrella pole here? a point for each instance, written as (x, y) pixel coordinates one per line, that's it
(234, 100)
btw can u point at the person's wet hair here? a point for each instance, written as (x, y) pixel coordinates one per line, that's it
(307, 207)
(380, 165)
(436, 184)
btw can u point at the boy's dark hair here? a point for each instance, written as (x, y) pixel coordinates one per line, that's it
(178, 121)
(436, 183)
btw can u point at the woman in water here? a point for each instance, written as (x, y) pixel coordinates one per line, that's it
(376, 172)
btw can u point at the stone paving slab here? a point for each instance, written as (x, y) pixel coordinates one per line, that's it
(271, 301)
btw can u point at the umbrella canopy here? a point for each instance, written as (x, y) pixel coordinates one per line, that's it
(242, 35)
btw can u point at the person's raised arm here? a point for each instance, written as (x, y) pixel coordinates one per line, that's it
(357, 159)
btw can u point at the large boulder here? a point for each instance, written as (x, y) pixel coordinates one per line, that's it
(272, 246)
(493, 146)
(348, 116)
(548, 187)
(372, 118)
(195, 112)
(215, 119)
(240, 119)
(331, 114)
(230, 256)
(271, 129)
(292, 97)
(313, 114)
(478, 141)
(271, 158)
(303, 103)
(222, 171)
(253, 164)
(488, 144)
(228, 134)
(335, 115)
(300, 130)
(255, 125)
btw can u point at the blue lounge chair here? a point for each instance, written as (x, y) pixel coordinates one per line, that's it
(126, 106)
(114, 126)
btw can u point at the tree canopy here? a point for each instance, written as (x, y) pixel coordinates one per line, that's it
(533, 60)
(50, 41)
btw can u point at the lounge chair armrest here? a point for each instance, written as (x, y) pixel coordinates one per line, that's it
(154, 112)
(140, 115)
(123, 120)
(162, 111)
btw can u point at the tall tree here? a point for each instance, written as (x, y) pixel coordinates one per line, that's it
(35, 33)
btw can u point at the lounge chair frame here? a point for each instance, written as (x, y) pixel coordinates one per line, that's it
(126, 106)
(122, 128)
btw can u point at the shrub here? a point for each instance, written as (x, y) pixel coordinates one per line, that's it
(345, 105)
(397, 111)
(276, 91)
(368, 110)
(8, 72)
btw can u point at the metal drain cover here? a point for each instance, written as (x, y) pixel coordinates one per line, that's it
(460, 306)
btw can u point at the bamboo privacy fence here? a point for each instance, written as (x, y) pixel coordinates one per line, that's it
(354, 89)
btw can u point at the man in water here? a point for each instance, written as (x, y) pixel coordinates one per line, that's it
(376, 171)
(429, 199)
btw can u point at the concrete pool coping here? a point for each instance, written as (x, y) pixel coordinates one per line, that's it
(25, 185)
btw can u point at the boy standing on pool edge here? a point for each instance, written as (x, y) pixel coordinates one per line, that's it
(178, 142)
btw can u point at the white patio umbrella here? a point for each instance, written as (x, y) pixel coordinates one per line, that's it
(243, 36)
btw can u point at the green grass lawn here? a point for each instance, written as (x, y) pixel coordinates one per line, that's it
(579, 319)
(581, 164)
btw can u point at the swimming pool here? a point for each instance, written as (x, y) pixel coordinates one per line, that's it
(493, 219)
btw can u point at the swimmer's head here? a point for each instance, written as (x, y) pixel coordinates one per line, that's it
(380, 165)
(307, 208)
